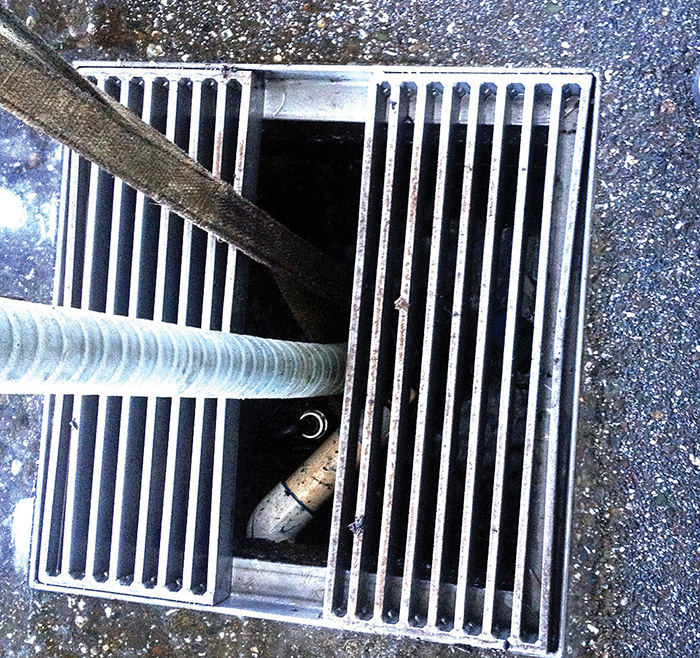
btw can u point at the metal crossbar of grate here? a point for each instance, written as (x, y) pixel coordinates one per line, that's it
(453, 478)
(136, 496)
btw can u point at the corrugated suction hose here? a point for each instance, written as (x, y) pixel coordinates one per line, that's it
(45, 349)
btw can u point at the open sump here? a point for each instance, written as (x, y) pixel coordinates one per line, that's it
(460, 200)
(309, 179)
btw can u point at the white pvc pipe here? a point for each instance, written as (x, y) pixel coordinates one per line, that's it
(46, 349)
(291, 505)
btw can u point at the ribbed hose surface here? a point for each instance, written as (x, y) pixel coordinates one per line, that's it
(44, 349)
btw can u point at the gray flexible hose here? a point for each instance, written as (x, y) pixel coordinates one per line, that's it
(44, 349)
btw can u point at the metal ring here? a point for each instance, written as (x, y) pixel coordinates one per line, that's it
(322, 421)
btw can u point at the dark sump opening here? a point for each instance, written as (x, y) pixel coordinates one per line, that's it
(308, 179)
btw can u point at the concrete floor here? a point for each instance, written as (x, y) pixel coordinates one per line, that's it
(636, 546)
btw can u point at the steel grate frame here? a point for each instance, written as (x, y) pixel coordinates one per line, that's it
(452, 508)
(136, 496)
(450, 519)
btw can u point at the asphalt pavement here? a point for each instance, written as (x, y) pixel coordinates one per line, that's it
(635, 571)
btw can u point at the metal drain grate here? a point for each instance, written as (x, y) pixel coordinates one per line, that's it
(136, 498)
(451, 508)
(451, 515)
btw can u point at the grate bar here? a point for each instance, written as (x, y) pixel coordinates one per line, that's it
(450, 114)
(412, 537)
(125, 98)
(226, 410)
(62, 246)
(165, 214)
(560, 326)
(201, 407)
(66, 402)
(476, 419)
(245, 173)
(519, 602)
(336, 599)
(87, 300)
(137, 281)
(504, 414)
(179, 407)
(458, 303)
(226, 422)
(374, 411)
(142, 571)
(80, 448)
(51, 517)
(401, 391)
(102, 437)
(66, 556)
(128, 443)
(56, 402)
(408, 606)
(72, 227)
(120, 494)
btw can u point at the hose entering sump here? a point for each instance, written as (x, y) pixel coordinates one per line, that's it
(46, 349)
